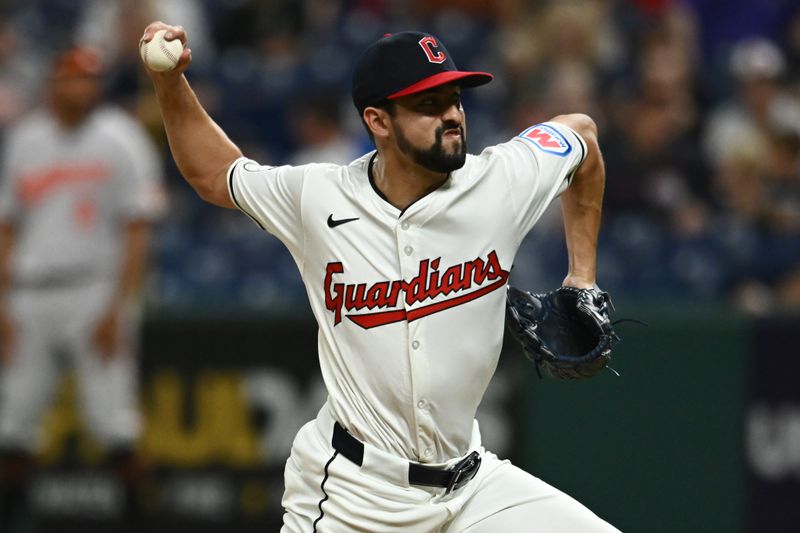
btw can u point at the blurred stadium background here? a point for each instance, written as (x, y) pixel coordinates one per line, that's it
(698, 105)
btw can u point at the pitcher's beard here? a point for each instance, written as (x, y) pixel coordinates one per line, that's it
(435, 158)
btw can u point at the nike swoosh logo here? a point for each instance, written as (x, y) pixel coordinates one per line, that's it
(333, 223)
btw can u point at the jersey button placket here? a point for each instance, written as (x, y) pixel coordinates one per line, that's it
(420, 370)
(420, 388)
(408, 256)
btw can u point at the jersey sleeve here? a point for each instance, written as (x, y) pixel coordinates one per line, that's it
(271, 197)
(539, 164)
(142, 183)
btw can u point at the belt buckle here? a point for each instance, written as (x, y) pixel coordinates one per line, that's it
(464, 471)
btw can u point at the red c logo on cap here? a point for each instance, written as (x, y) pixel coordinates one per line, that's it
(431, 49)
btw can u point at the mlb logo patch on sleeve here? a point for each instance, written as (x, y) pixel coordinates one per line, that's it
(547, 139)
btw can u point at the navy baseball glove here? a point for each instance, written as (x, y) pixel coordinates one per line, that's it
(566, 332)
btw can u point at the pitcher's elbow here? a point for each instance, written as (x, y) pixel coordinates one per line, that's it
(582, 123)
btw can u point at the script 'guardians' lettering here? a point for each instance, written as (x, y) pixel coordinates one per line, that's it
(429, 283)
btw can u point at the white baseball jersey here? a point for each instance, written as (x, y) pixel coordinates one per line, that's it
(410, 304)
(69, 193)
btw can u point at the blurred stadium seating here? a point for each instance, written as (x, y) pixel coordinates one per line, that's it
(655, 75)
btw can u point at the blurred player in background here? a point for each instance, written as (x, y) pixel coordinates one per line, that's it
(81, 186)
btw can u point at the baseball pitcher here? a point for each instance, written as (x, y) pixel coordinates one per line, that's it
(405, 254)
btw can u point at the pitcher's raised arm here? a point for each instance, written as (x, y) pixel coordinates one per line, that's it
(202, 151)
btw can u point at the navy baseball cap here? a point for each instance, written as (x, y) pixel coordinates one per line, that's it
(406, 63)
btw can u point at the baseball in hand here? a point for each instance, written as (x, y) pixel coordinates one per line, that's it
(159, 54)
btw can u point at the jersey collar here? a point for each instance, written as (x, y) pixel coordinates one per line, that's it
(382, 196)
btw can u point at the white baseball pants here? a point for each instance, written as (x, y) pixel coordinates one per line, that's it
(60, 322)
(327, 493)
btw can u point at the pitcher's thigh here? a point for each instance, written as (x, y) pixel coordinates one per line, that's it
(510, 499)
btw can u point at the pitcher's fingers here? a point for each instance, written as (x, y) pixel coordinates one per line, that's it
(176, 32)
(151, 30)
(185, 59)
(171, 32)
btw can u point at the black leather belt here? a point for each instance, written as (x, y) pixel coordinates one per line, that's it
(452, 479)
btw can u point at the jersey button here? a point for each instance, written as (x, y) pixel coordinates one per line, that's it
(408, 250)
(415, 344)
(428, 453)
(405, 225)
(422, 403)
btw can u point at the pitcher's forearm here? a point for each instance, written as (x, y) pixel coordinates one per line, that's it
(202, 151)
(582, 204)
